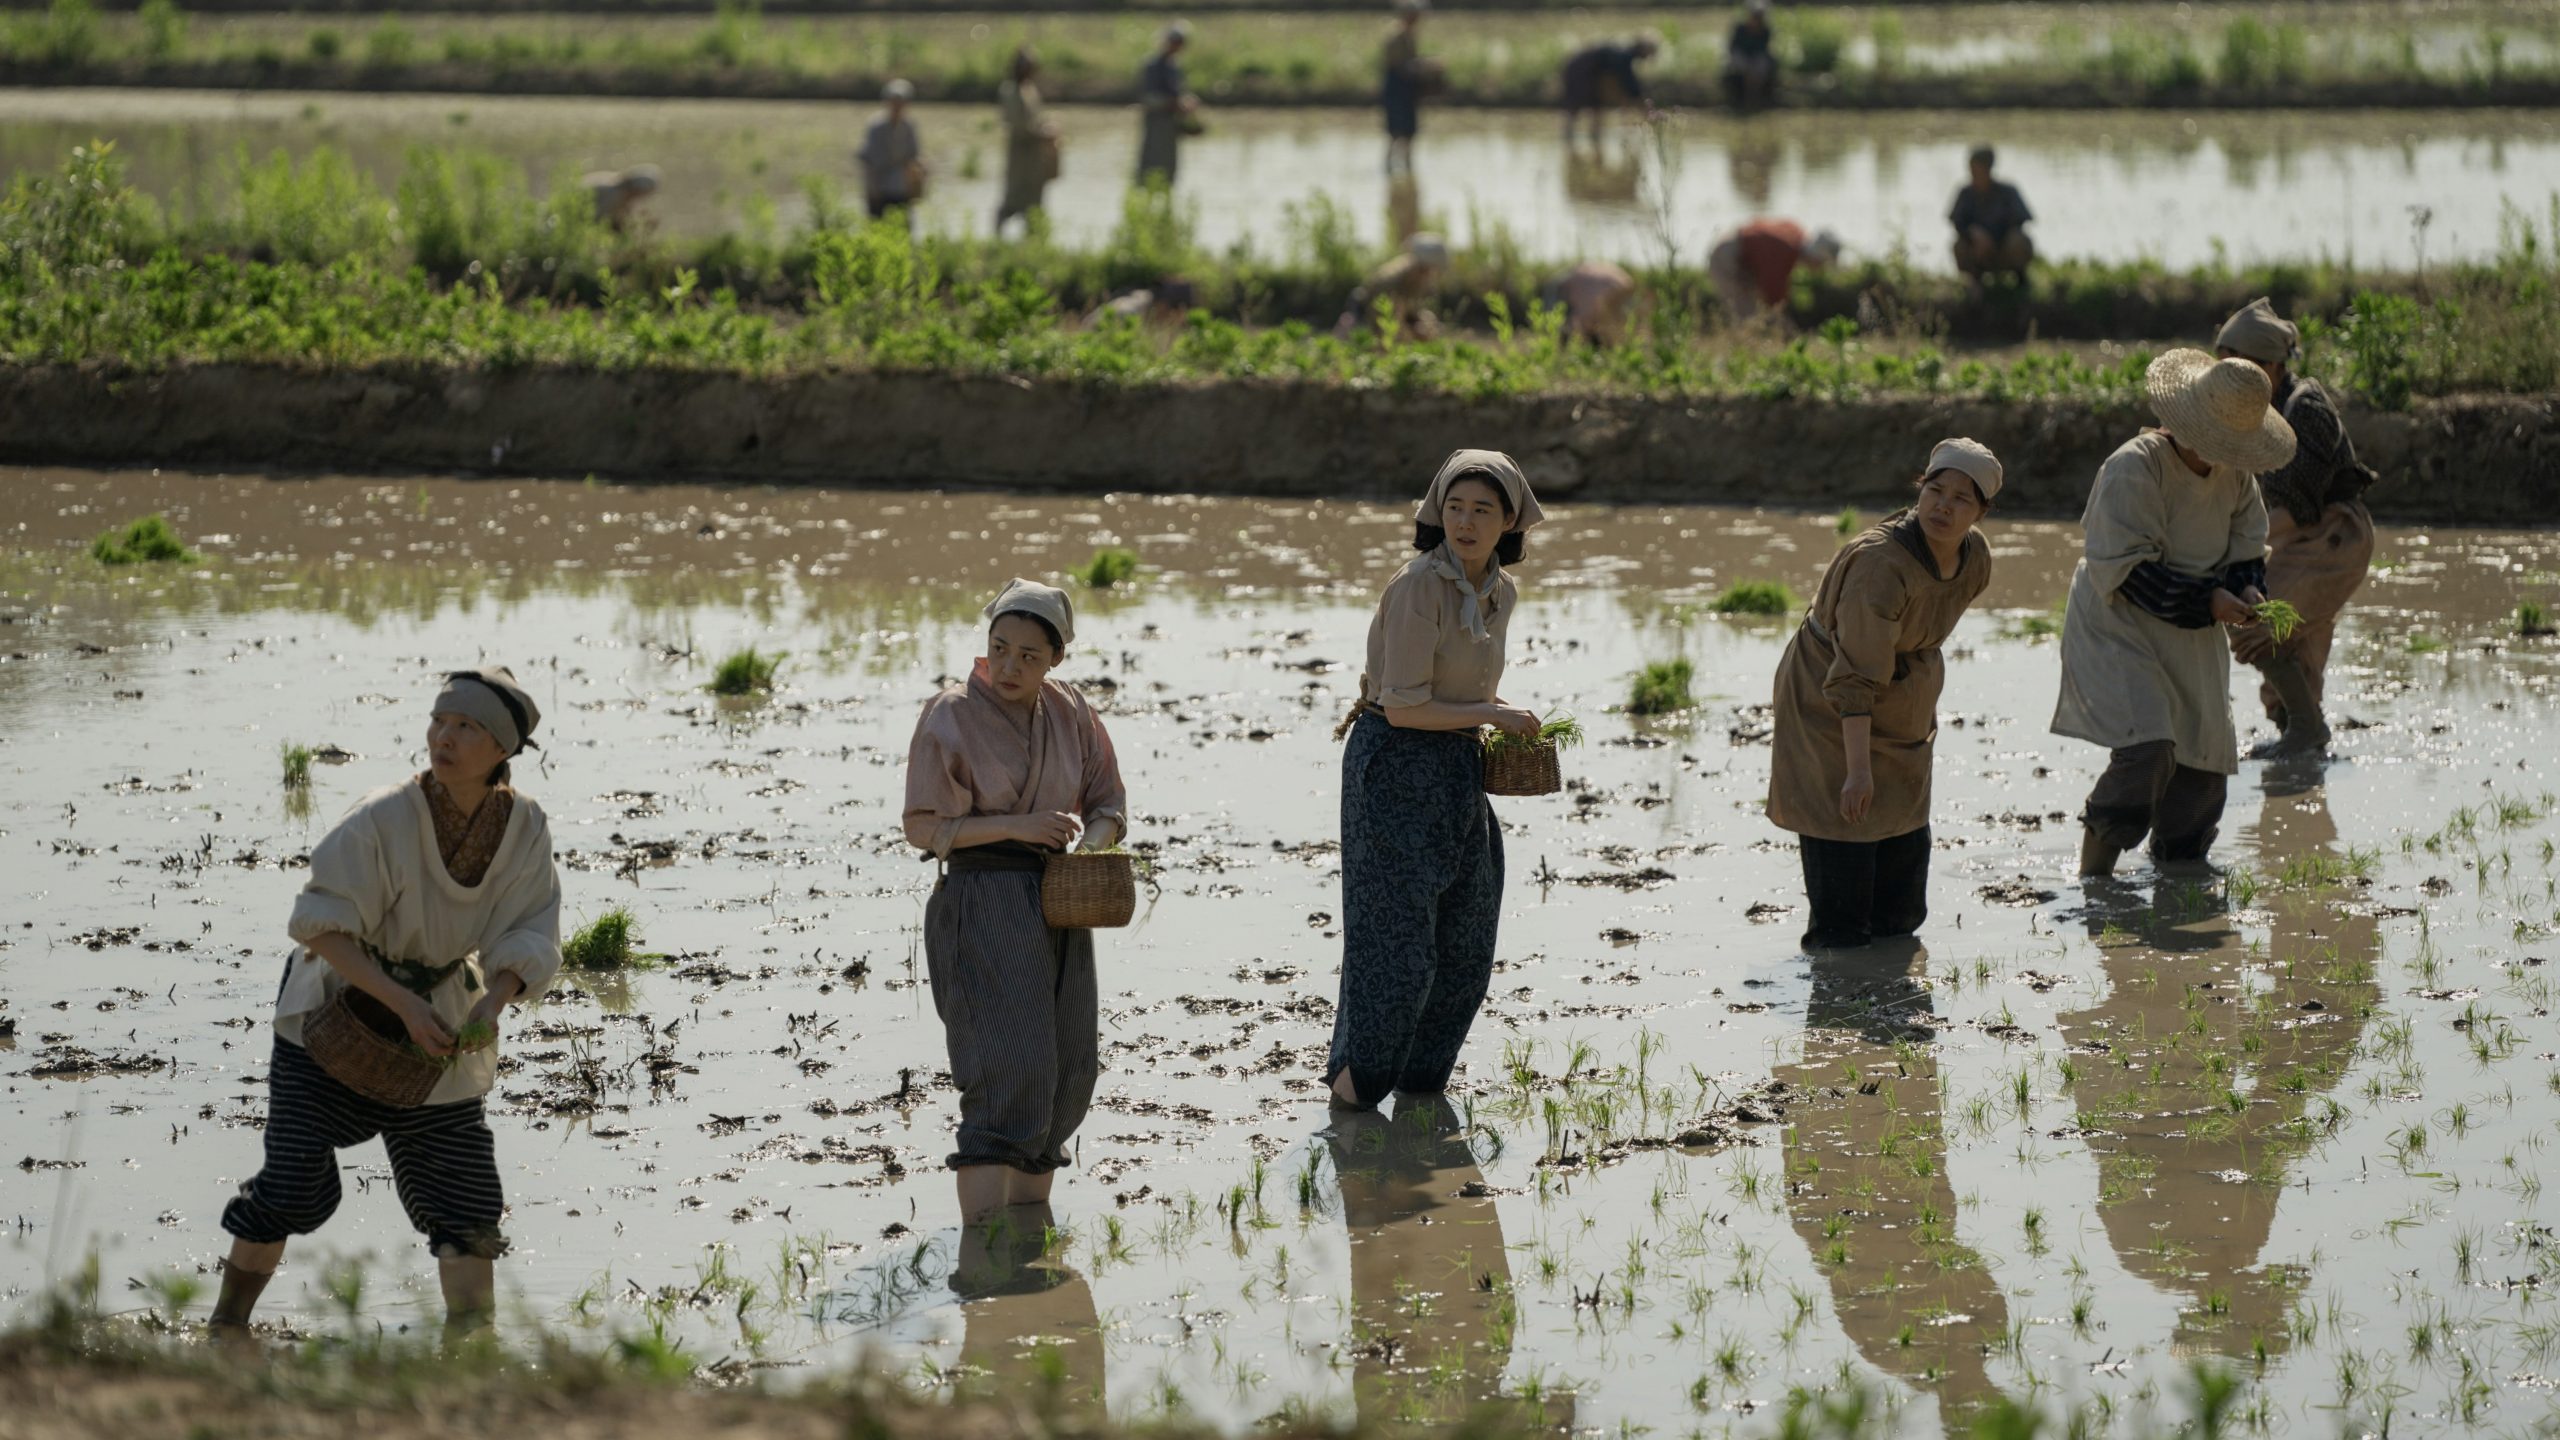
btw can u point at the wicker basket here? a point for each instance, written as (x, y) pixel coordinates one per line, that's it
(1522, 767)
(1089, 891)
(364, 1047)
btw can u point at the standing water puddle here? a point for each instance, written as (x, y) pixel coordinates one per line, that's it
(2293, 1115)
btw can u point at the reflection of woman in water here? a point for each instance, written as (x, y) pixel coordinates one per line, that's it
(1031, 1330)
(1430, 1284)
(2155, 1093)
(1857, 703)
(1421, 852)
(1006, 768)
(1866, 1161)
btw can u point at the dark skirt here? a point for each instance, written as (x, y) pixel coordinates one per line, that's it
(1421, 905)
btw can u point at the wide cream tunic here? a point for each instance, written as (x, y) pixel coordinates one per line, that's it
(1869, 646)
(2129, 677)
(1420, 647)
(377, 876)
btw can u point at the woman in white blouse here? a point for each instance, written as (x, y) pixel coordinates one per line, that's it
(438, 898)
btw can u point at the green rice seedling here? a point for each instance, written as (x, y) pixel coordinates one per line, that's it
(2280, 618)
(150, 539)
(745, 672)
(2422, 643)
(604, 943)
(2532, 619)
(1109, 566)
(475, 1035)
(1563, 732)
(1662, 688)
(297, 766)
(1756, 597)
(1848, 523)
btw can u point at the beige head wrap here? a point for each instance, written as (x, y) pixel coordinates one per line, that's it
(1970, 458)
(2259, 333)
(2218, 409)
(493, 700)
(1492, 465)
(1030, 597)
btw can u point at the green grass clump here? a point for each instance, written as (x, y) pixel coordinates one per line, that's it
(1109, 566)
(475, 1035)
(1662, 688)
(1756, 597)
(1848, 523)
(1563, 732)
(148, 539)
(297, 766)
(2422, 643)
(2531, 618)
(2280, 618)
(745, 672)
(603, 943)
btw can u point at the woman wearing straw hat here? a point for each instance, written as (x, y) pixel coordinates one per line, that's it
(2174, 544)
(2319, 535)
(437, 898)
(1421, 851)
(1006, 768)
(1856, 704)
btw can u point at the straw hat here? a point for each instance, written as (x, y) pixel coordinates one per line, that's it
(2218, 409)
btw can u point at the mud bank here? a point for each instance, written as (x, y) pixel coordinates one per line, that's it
(2471, 460)
(708, 80)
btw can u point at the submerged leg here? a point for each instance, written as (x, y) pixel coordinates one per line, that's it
(1839, 892)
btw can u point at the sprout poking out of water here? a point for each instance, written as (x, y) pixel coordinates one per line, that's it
(603, 943)
(745, 672)
(1756, 597)
(297, 766)
(1849, 522)
(150, 538)
(1108, 567)
(2532, 619)
(1662, 688)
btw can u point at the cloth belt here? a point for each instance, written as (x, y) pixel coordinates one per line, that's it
(1006, 857)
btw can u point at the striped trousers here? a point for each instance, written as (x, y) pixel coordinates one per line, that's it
(444, 1162)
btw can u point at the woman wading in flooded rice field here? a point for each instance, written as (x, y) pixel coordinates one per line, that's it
(1421, 852)
(438, 899)
(1857, 703)
(2176, 543)
(1006, 768)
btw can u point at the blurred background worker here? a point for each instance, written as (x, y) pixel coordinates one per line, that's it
(1595, 295)
(892, 156)
(1990, 218)
(1405, 79)
(618, 194)
(1750, 70)
(1167, 110)
(1409, 281)
(1031, 148)
(1602, 77)
(1754, 268)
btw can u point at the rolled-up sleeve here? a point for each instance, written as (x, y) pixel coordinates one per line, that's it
(938, 794)
(348, 890)
(1865, 628)
(2125, 524)
(1409, 619)
(530, 943)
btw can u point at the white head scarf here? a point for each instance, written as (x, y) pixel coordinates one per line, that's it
(1504, 473)
(1030, 597)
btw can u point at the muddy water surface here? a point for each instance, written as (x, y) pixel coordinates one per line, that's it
(2292, 1114)
(2118, 186)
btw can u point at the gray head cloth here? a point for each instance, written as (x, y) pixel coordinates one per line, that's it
(1971, 459)
(1500, 468)
(493, 700)
(1030, 597)
(2260, 334)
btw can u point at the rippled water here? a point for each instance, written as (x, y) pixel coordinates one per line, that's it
(2292, 1115)
(2182, 189)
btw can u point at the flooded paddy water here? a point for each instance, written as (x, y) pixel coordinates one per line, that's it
(2183, 190)
(2292, 1115)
